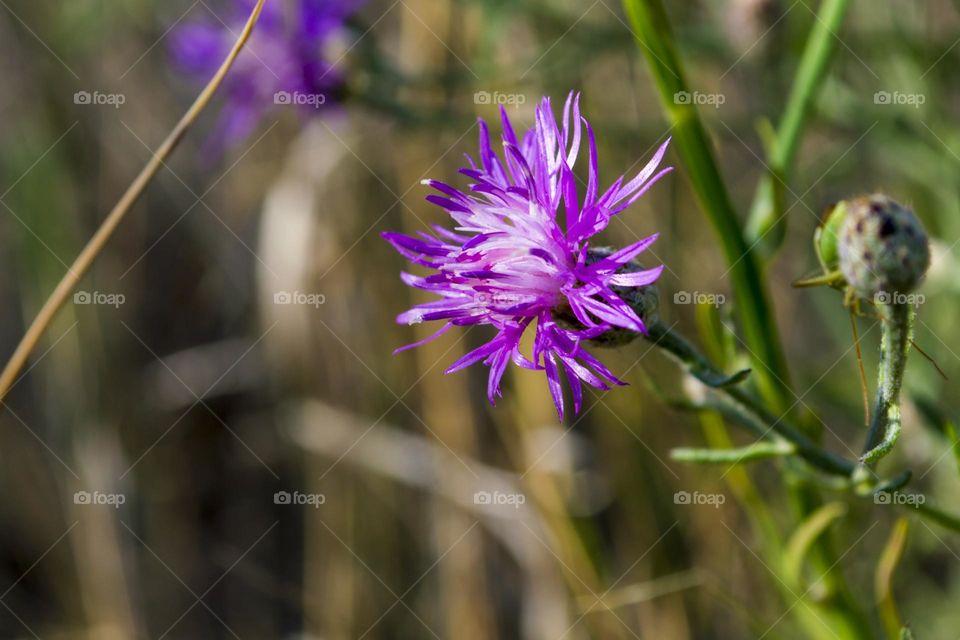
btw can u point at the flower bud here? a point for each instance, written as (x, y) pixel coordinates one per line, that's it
(882, 246)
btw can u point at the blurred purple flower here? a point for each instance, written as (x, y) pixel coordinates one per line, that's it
(286, 61)
(510, 262)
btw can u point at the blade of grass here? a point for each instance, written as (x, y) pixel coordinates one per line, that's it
(954, 439)
(802, 540)
(767, 225)
(883, 578)
(754, 312)
(99, 240)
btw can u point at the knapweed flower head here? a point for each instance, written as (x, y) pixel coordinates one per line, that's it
(287, 61)
(520, 259)
(882, 246)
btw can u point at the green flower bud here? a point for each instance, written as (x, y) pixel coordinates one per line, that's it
(643, 300)
(882, 246)
(827, 234)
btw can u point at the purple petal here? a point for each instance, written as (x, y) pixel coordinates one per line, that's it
(576, 389)
(497, 367)
(637, 278)
(476, 355)
(594, 174)
(620, 315)
(621, 257)
(436, 335)
(641, 192)
(645, 173)
(403, 241)
(447, 203)
(553, 381)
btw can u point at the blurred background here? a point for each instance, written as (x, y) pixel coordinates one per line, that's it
(215, 441)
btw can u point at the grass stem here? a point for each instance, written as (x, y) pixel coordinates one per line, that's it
(96, 244)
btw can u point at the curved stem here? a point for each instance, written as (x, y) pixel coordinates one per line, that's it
(741, 402)
(738, 406)
(897, 326)
(96, 244)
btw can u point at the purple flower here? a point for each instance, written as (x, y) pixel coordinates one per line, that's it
(285, 61)
(520, 253)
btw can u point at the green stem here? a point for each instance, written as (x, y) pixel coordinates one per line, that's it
(655, 37)
(741, 402)
(935, 514)
(738, 455)
(766, 225)
(733, 411)
(897, 326)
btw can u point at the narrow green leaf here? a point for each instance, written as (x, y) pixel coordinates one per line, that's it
(883, 578)
(954, 439)
(799, 544)
(767, 223)
(750, 453)
(895, 483)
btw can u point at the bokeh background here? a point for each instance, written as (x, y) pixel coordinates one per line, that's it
(190, 397)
